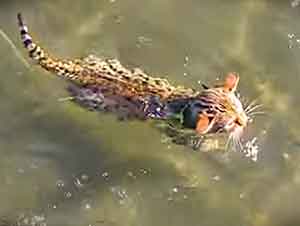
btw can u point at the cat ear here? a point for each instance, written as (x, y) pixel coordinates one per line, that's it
(203, 124)
(231, 82)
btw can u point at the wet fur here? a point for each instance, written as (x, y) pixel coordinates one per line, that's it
(105, 84)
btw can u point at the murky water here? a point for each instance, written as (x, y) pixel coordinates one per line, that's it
(61, 165)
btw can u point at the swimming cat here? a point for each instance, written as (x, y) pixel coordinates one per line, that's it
(213, 110)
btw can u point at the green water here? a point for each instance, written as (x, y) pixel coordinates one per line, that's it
(63, 166)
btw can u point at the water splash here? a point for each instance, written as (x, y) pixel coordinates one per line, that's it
(295, 3)
(293, 40)
(251, 149)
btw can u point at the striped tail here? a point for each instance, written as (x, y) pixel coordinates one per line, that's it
(35, 51)
(63, 68)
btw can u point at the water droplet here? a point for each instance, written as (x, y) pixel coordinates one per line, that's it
(105, 174)
(120, 193)
(143, 171)
(216, 178)
(131, 174)
(286, 156)
(142, 41)
(33, 220)
(84, 177)
(60, 184)
(87, 206)
(81, 181)
(175, 189)
(68, 195)
(78, 183)
(295, 3)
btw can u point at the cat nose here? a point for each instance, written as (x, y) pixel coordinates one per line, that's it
(242, 120)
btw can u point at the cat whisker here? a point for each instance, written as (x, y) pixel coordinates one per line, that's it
(252, 103)
(253, 108)
(244, 100)
(229, 141)
(256, 113)
(235, 139)
(234, 142)
(238, 143)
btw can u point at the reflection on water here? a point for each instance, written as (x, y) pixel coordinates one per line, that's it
(62, 165)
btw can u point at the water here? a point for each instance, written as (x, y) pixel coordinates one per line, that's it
(62, 165)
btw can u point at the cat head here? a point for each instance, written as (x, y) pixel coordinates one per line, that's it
(217, 109)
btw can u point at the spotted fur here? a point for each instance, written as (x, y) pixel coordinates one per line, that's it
(103, 72)
(215, 109)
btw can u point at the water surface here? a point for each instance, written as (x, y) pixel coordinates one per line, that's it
(62, 165)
